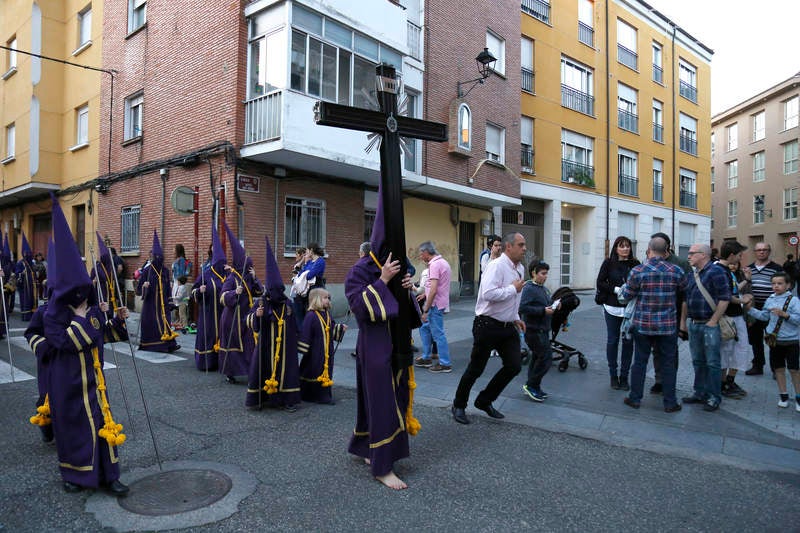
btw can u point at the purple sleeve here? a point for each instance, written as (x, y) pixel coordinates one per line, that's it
(369, 298)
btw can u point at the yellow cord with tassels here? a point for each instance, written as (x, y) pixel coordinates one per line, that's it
(168, 334)
(412, 424)
(111, 431)
(271, 384)
(112, 292)
(324, 378)
(42, 416)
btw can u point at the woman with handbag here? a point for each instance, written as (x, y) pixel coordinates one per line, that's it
(613, 274)
(314, 271)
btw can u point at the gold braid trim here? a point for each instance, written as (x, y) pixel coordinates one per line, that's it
(325, 323)
(111, 431)
(167, 334)
(271, 384)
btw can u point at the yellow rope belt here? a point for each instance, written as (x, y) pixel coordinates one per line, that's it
(325, 323)
(271, 384)
(111, 431)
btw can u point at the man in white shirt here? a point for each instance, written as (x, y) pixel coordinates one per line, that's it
(497, 325)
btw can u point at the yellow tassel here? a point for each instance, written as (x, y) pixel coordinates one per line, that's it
(412, 424)
(42, 416)
(271, 385)
(111, 431)
(324, 378)
(216, 346)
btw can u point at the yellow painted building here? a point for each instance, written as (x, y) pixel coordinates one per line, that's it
(623, 95)
(50, 116)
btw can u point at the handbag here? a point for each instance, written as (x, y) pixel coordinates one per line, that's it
(627, 320)
(772, 338)
(727, 327)
(301, 284)
(598, 296)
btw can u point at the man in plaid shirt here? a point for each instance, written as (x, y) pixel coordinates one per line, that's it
(655, 284)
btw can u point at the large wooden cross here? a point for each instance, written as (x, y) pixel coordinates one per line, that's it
(387, 123)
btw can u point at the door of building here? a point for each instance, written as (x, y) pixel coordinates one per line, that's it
(41, 233)
(566, 252)
(466, 254)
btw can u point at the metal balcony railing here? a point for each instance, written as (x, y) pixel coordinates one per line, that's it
(628, 185)
(627, 57)
(627, 120)
(577, 100)
(537, 9)
(658, 133)
(658, 74)
(526, 152)
(688, 144)
(688, 91)
(585, 34)
(262, 118)
(414, 34)
(688, 199)
(578, 173)
(658, 192)
(527, 80)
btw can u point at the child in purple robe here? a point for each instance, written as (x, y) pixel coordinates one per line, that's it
(156, 334)
(316, 345)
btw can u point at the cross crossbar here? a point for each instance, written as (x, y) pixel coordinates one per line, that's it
(355, 118)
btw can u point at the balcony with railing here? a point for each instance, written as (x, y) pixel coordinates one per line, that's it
(577, 173)
(658, 74)
(688, 144)
(658, 133)
(526, 152)
(658, 192)
(527, 80)
(414, 35)
(628, 185)
(586, 34)
(688, 199)
(627, 57)
(688, 91)
(262, 118)
(577, 100)
(537, 9)
(627, 120)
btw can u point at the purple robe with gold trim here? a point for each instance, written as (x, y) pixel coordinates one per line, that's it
(311, 347)
(236, 340)
(155, 310)
(27, 289)
(209, 309)
(380, 432)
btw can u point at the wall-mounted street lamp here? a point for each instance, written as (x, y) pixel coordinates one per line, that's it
(758, 203)
(485, 61)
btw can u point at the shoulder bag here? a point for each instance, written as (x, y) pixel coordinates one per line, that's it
(772, 338)
(727, 328)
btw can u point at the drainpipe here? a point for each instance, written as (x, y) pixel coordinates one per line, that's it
(164, 177)
(674, 143)
(608, 142)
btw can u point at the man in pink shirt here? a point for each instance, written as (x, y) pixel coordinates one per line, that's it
(436, 303)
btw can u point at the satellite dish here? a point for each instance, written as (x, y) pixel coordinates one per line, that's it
(182, 200)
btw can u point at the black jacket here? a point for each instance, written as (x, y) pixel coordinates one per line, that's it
(613, 273)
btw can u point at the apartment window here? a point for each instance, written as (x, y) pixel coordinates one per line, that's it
(497, 47)
(628, 180)
(733, 174)
(732, 134)
(577, 164)
(526, 61)
(526, 141)
(410, 153)
(82, 125)
(586, 22)
(759, 126)
(304, 221)
(658, 121)
(686, 237)
(464, 127)
(791, 112)
(733, 213)
(137, 14)
(658, 63)
(688, 134)
(759, 165)
(11, 57)
(11, 138)
(688, 188)
(713, 144)
(688, 81)
(538, 9)
(713, 181)
(626, 45)
(129, 240)
(790, 204)
(790, 157)
(134, 107)
(658, 180)
(495, 143)
(267, 62)
(369, 222)
(85, 26)
(627, 117)
(576, 87)
(79, 221)
(758, 209)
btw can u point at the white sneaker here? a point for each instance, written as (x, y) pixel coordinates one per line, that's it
(783, 403)
(797, 406)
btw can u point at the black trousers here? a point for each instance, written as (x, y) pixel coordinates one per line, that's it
(755, 335)
(489, 334)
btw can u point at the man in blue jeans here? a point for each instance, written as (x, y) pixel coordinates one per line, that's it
(704, 334)
(656, 285)
(436, 303)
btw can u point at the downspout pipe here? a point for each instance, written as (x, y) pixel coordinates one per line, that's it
(674, 142)
(608, 142)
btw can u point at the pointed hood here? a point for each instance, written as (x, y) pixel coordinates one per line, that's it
(273, 283)
(27, 253)
(239, 255)
(157, 252)
(377, 238)
(70, 283)
(104, 255)
(218, 258)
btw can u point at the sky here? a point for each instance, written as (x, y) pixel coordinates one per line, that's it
(755, 42)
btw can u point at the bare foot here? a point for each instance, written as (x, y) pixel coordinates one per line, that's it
(392, 481)
(367, 461)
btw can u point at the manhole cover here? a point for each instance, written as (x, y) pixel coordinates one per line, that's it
(176, 491)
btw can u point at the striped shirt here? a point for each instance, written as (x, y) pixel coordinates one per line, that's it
(761, 281)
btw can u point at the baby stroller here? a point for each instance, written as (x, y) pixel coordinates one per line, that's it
(560, 321)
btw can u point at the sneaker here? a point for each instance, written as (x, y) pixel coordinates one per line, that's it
(494, 353)
(533, 394)
(736, 392)
(423, 362)
(783, 403)
(755, 371)
(442, 369)
(797, 405)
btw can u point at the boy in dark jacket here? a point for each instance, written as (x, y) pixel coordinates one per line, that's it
(537, 309)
